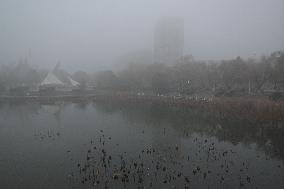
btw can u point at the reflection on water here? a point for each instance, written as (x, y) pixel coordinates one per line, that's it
(115, 145)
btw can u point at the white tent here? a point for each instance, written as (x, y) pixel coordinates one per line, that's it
(51, 79)
(73, 82)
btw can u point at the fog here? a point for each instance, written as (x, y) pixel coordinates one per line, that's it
(141, 94)
(91, 34)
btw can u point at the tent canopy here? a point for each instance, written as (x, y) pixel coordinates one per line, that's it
(51, 79)
(73, 82)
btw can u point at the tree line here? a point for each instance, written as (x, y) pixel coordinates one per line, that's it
(221, 78)
(233, 77)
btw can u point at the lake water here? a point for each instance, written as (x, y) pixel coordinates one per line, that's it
(117, 145)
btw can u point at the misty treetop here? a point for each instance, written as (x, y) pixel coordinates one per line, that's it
(225, 78)
(187, 77)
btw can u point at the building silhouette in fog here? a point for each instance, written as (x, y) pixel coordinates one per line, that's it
(168, 40)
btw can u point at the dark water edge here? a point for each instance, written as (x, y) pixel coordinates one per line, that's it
(107, 144)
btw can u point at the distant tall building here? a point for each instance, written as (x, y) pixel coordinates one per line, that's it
(168, 40)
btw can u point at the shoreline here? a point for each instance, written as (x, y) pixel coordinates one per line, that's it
(138, 98)
(253, 109)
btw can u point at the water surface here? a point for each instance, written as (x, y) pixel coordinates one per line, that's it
(118, 145)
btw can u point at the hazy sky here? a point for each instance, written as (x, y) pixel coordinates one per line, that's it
(90, 34)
